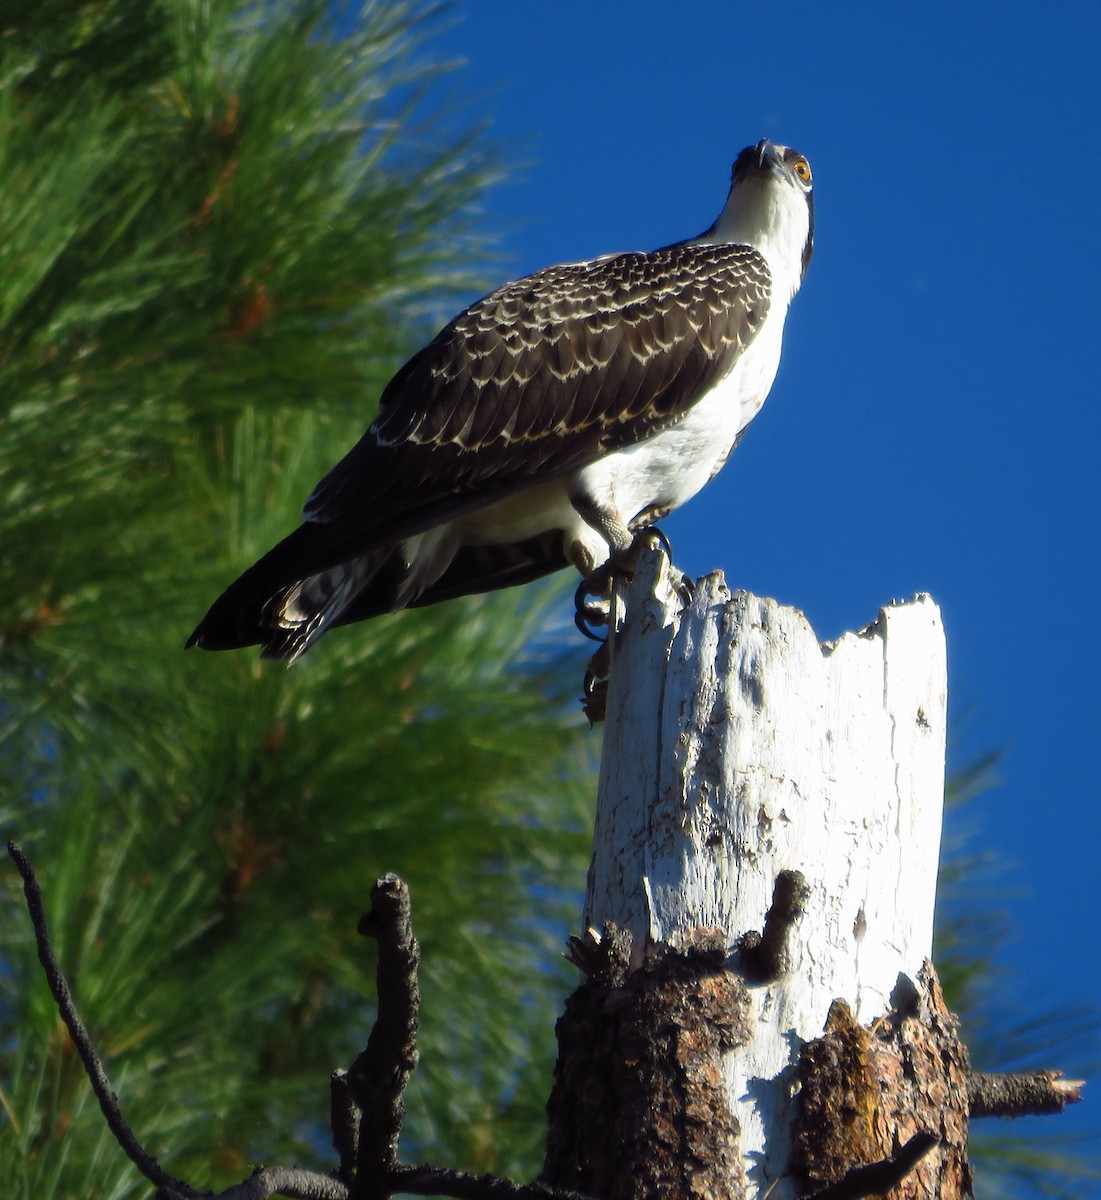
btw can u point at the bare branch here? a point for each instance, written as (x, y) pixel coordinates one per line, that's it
(416, 1181)
(344, 1117)
(286, 1181)
(367, 1102)
(442, 1181)
(378, 1077)
(82, 1042)
(266, 1182)
(1021, 1094)
(876, 1179)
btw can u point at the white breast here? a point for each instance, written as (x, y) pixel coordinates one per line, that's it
(672, 466)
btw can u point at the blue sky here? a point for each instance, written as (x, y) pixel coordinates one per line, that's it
(936, 422)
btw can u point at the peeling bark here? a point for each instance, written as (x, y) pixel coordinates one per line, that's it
(639, 1106)
(865, 1090)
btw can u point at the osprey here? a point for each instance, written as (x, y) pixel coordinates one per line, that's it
(547, 424)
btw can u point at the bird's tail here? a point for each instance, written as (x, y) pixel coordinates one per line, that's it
(296, 616)
(294, 593)
(287, 600)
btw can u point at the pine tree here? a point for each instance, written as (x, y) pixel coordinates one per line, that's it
(220, 232)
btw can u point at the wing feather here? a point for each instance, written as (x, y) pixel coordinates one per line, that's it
(540, 378)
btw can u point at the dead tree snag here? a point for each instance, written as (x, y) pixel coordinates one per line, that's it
(786, 796)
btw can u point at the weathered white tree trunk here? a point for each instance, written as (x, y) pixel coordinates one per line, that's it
(736, 747)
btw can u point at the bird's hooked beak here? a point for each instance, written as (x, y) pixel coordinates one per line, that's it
(768, 157)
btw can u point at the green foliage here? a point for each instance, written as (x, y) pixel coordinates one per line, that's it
(215, 220)
(1003, 1029)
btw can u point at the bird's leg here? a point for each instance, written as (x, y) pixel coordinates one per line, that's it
(590, 613)
(592, 600)
(597, 579)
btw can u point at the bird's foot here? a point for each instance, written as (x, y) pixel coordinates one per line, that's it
(592, 605)
(592, 600)
(682, 584)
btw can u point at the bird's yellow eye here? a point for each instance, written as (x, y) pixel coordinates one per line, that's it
(802, 169)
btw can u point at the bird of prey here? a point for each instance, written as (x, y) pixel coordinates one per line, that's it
(545, 425)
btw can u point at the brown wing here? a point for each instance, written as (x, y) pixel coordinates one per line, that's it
(543, 376)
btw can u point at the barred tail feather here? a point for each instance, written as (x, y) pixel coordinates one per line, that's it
(297, 588)
(295, 617)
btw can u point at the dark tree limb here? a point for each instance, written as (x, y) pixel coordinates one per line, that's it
(877, 1179)
(344, 1118)
(82, 1041)
(1035, 1093)
(265, 1182)
(441, 1181)
(298, 1184)
(378, 1077)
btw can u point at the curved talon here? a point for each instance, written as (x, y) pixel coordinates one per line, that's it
(663, 541)
(684, 585)
(586, 614)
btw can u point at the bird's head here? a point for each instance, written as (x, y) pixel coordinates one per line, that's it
(771, 207)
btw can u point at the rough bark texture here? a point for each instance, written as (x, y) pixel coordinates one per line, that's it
(864, 1091)
(639, 1106)
(1029, 1093)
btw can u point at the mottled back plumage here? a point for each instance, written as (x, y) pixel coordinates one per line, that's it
(607, 352)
